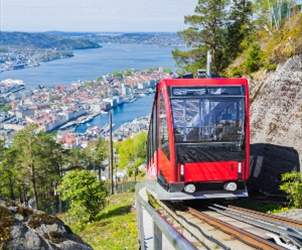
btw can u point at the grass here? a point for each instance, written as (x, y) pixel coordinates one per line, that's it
(115, 227)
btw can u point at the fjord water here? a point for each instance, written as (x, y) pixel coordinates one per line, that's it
(121, 114)
(92, 63)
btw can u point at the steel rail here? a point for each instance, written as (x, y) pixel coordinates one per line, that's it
(165, 206)
(295, 223)
(286, 233)
(262, 219)
(274, 227)
(238, 233)
(208, 237)
(166, 209)
(175, 214)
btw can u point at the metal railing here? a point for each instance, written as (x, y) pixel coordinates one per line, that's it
(160, 226)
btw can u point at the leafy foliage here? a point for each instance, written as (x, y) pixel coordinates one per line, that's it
(212, 28)
(96, 152)
(277, 44)
(240, 27)
(292, 185)
(254, 58)
(4, 107)
(85, 194)
(31, 167)
(132, 153)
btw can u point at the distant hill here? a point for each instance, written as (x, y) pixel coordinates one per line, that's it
(85, 40)
(155, 38)
(46, 41)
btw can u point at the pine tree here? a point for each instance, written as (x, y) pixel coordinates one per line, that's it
(239, 27)
(206, 31)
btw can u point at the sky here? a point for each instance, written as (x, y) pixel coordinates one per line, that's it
(94, 15)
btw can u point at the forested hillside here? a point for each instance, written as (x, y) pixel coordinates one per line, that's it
(45, 41)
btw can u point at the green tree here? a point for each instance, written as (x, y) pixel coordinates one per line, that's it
(239, 27)
(5, 107)
(75, 158)
(132, 153)
(2, 149)
(292, 185)
(254, 58)
(206, 31)
(271, 14)
(96, 152)
(85, 194)
(36, 161)
(7, 172)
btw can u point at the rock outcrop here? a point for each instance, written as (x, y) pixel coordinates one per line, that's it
(276, 108)
(26, 229)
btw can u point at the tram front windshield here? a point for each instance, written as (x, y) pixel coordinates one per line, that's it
(199, 116)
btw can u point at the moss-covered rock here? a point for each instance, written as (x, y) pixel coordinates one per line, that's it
(6, 222)
(36, 220)
(24, 228)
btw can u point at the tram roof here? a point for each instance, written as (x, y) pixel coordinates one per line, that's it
(203, 82)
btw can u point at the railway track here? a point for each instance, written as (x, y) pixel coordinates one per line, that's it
(232, 227)
(244, 236)
(284, 232)
(281, 219)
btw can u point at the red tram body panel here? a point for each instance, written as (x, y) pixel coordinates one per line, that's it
(199, 137)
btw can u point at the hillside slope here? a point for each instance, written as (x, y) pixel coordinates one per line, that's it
(45, 41)
(276, 108)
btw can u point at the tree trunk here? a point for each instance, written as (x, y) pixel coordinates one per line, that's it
(135, 174)
(33, 180)
(100, 174)
(11, 189)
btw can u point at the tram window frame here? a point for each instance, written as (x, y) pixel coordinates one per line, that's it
(149, 144)
(154, 129)
(163, 132)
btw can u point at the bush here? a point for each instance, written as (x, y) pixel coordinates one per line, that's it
(292, 186)
(254, 58)
(236, 72)
(85, 194)
(270, 66)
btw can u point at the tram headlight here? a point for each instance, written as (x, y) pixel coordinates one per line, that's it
(230, 186)
(190, 188)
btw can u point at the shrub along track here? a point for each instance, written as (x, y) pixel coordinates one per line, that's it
(232, 227)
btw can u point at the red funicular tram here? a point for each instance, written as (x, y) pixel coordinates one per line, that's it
(198, 140)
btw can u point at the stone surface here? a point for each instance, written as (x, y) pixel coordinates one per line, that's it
(276, 108)
(268, 163)
(295, 214)
(29, 230)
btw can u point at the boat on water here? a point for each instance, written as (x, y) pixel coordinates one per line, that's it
(87, 119)
(132, 100)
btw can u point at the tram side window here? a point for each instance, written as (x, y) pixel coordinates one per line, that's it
(149, 154)
(153, 130)
(163, 129)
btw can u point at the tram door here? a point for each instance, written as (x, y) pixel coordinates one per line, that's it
(164, 165)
